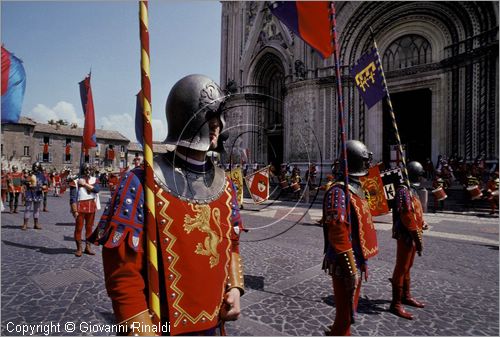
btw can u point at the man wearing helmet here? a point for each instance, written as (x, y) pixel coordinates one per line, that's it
(197, 219)
(408, 223)
(350, 237)
(14, 180)
(33, 195)
(84, 202)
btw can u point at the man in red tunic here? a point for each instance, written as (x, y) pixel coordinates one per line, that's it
(56, 183)
(197, 219)
(15, 183)
(408, 223)
(350, 238)
(84, 203)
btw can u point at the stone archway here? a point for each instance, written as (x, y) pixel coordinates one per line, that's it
(269, 82)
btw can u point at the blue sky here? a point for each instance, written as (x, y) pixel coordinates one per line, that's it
(59, 41)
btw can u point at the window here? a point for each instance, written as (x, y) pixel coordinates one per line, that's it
(2, 150)
(122, 148)
(26, 152)
(68, 141)
(122, 163)
(407, 51)
(46, 140)
(45, 157)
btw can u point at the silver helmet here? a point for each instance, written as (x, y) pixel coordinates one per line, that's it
(86, 169)
(358, 158)
(192, 102)
(36, 167)
(415, 171)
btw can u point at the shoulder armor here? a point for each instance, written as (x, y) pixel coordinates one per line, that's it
(335, 206)
(123, 217)
(403, 198)
(235, 209)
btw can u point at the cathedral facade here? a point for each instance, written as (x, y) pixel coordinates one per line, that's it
(440, 60)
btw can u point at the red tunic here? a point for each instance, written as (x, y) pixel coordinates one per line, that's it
(342, 236)
(411, 219)
(15, 178)
(195, 246)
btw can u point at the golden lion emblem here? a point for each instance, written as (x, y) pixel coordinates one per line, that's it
(201, 222)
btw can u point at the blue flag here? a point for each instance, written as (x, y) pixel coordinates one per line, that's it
(369, 79)
(13, 87)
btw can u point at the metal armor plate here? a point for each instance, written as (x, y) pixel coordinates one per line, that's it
(186, 185)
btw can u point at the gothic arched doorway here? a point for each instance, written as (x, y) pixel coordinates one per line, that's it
(269, 79)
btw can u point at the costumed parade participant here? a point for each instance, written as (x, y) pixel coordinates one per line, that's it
(56, 183)
(84, 202)
(492, 191)
(5, 189)
(197, 221)
(408, 223)
(439, 192)
(33, 195)
(45, 189)
(15, 184)
(350, 238)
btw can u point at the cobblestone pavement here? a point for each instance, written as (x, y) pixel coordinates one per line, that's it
(287, 293)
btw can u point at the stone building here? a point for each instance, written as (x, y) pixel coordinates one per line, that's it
(58, 146)
(135, 151)
(441, 64)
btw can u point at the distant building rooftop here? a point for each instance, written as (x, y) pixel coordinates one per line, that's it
(158, 147)
(67, 130)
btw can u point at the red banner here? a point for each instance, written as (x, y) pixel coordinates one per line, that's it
(111, 154)
(258, 185)
(374, 190)
(67, 149)
(89, 136)
(45, 148)
(64, 182)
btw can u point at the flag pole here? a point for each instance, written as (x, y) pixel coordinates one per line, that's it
(406, 179)
(150, 219)
(340, 100)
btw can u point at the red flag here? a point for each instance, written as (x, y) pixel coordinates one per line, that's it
(310, 20)
(68, 149)
(89, 136)
(258, 185)
(374, 190)
(13, 87)
(111, 154)
(64, 182)
(45, 148)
